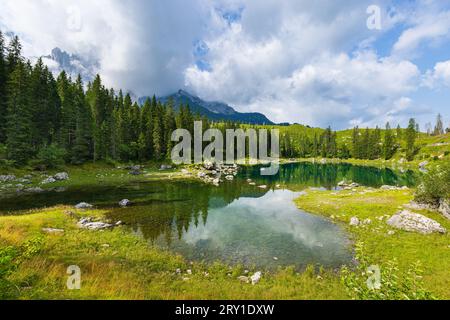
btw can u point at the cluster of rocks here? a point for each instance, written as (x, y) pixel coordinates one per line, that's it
(211, 172)
(254, 279)
(61, 176)
(348, 185)
(443, 207)
(165, 167)
(414, 222)
(7, 178)
(354, 221)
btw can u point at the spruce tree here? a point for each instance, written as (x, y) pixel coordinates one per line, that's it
(389, 143)
(19, 118)
(439, 128)
(410, 137)
(68, 127)
(3, 84)
(83, 130)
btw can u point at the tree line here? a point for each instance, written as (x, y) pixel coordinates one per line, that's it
(43, 118)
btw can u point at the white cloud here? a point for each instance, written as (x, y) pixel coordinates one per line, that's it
(439, 76)
(428, 27)
(296, 71)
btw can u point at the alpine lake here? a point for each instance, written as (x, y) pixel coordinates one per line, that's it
(253, 223)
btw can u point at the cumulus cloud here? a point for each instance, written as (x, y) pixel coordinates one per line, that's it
(439, 76)
(298, 68)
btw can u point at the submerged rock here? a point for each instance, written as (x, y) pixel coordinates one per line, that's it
(414, 222)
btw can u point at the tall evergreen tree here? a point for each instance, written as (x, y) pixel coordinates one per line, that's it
(83, 128)
(410, 137)
(389, 143)
(3, 86)
(439, 128)
(19, 118)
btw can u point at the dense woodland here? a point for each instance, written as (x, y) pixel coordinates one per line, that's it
(44, 120)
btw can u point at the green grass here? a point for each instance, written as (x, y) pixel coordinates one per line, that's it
(433, 251)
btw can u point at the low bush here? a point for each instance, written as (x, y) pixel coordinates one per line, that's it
(435, 185)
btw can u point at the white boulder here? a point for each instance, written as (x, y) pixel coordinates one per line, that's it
(414, 222)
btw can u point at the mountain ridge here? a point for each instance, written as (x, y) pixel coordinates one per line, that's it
(213, 110)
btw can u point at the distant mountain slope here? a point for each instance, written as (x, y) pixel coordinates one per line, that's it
(216, 111)
(60, 60)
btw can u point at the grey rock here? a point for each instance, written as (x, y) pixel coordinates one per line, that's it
(84, 205)
(48, 180)
(7, 178)
(444, 208)
(124, 203)
(87, 223)
(354, 221)
(423, 164)
(34, 190)
(414, 222)
(256, 277)
(61, 176)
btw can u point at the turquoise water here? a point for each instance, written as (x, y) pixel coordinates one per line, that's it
(236, 223)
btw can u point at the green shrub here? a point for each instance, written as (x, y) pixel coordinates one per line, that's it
(435, 185)
(10, 258)
(49, 157)
(392, 285)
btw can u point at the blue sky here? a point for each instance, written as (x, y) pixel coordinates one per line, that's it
(312, 62)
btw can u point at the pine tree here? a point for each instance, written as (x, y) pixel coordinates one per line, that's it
(83, 129)
(439, 128)
(357, 154)
(410, 138)
(365, 144)
(157, 139)
(3, 85)
(19, 119)
(374, 144)
(399, 133)
(389, 143)
(67, 133)
(169, 126)
(14, 56)
(147, 127)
